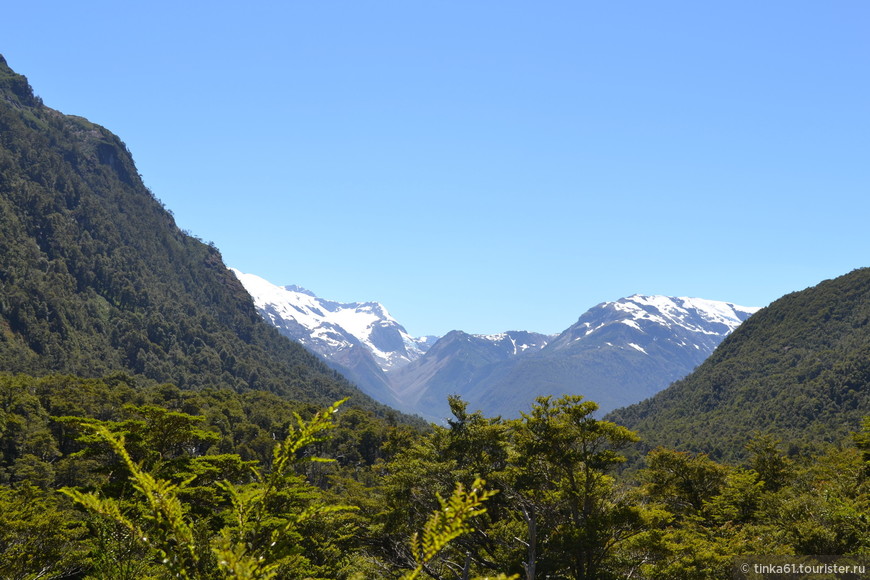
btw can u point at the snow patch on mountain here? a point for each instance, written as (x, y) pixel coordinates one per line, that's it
(694, 314)
(641, 322)
(637, 347)
(516, 342)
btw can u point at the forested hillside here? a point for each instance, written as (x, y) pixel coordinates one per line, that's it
(798, 369)
(96, 277)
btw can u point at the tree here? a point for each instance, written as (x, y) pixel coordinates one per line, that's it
(253, 544)
(39, 536)
(862, 442)
(824, 510)
(573, 509)
(683, 482)
(774, 468)
(446, 524)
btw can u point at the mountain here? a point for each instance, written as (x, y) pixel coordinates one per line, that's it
(798, 369)
(96, 277)
(617, 353)
(359, 339)
(457, 364)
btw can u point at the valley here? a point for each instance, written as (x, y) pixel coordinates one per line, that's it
(163, 416)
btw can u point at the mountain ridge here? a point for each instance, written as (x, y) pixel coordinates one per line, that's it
(618, 351)
(624, 350)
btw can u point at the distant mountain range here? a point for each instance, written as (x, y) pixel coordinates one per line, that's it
(616, 354)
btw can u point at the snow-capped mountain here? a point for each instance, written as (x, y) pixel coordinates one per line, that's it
(616, 354)
(692, 323)
(456, 364)
(360, 339)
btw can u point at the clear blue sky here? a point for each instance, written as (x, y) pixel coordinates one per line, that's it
(485, 165)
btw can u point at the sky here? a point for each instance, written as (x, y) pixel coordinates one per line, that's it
(485, 165)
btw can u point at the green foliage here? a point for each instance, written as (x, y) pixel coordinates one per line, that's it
(862, 442)
(206, 446)
(682, 481)
(824, 508)
(200, 475)
(249, 546)
(714, 512)
(163, 528)
(766, 458)
(38, 535)
(447, 523)
(559, 512)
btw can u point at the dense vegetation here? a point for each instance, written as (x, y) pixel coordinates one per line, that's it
(106, 479)
(95, 276)
(798, 369)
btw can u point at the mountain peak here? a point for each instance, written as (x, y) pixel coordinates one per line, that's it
(698, 315)
(617, 353)
(14, 88)
(299, 289)
(359, 339)
(328, 327)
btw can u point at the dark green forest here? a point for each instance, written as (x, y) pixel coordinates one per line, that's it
(152, 426)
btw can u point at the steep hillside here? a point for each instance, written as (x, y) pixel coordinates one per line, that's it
(799, 369)
(95, 276)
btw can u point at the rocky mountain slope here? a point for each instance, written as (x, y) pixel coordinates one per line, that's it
(459, 363)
